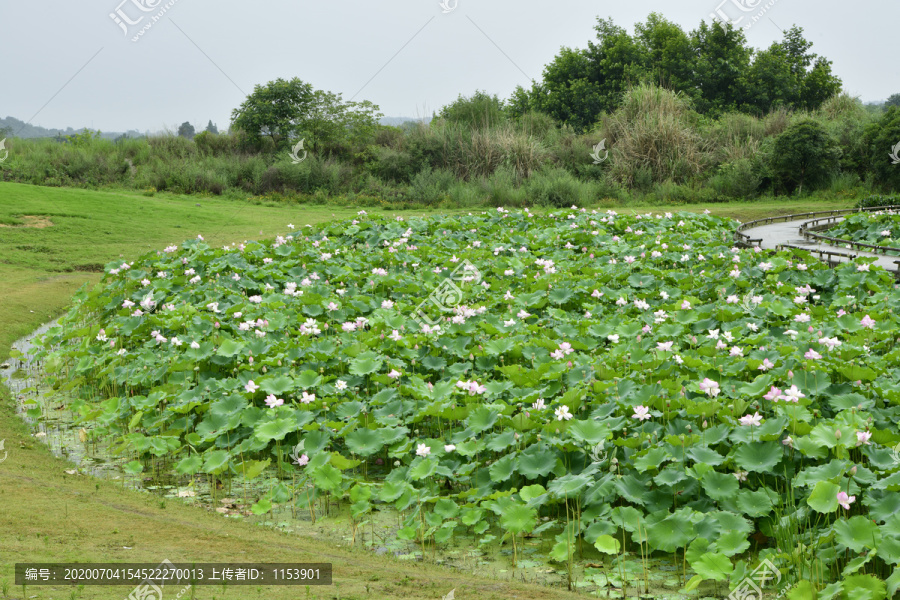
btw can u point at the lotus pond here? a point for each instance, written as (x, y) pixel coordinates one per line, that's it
(881, 228)
(617, 396)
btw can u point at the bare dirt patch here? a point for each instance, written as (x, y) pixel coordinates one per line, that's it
(35, 222)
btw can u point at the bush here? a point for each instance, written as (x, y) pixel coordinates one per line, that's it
(736, 179)
(393, 165)
(881, 139)
(478, 111)
(805, 154)
(873, 201)
(653, 137)
(430, 187)
(558, 188)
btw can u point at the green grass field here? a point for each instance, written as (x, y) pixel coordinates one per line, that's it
(48, 516)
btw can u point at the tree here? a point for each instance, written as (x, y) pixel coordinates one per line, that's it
(667, 54)
(275, 110)
(781, 75)
(212, 129)
(186, 130)
(805, 154)
(722, 60)
(894, 100)
(332, 126)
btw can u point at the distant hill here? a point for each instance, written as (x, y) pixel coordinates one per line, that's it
(21, 129)
(397, 121)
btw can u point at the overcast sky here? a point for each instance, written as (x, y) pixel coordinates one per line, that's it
(68, 63)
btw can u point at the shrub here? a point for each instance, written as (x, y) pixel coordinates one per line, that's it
(558, 188)
(736, 179)
(873, 201)
(881, 139)
(805, 154)
(652, 137)
(430, 187)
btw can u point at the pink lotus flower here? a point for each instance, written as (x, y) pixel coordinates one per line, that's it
(394, 374)
(863, 437)
(753, 420)
(641, 413)
(272, 401)
(845, 500)
(302, 460)
(793, 395)
(423, 450)
(664, 346)
(251, 387)
(307, 398)
(867, 322)
(812, 355)
(710, 387)
(774, 394)
(766, 365)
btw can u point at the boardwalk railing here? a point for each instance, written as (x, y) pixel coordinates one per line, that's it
(808, 227)
(742, 239)
(822, 220)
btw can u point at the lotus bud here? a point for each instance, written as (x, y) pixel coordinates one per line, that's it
(264, 369)
(705, 424)
(638, 338)
(396, 463)
(853, 471)
(693, 339)
(250, 360)
(791, 374)
(837, 434)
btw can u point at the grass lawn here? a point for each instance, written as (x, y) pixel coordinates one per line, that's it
(48, 516)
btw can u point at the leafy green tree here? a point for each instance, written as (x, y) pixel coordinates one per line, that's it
(275, 111)
(788, 74)
(894, 100)
(186, 130)
(332, 126)
(805, 154)
(722, 59)
(770, 83)
(212, 129)
(668, 55)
